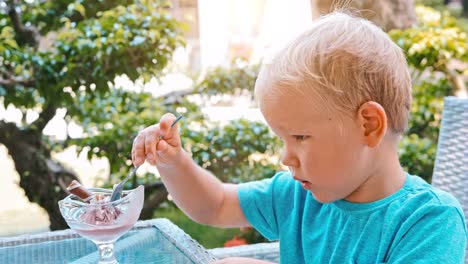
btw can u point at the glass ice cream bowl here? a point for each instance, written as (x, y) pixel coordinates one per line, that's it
(102, 221)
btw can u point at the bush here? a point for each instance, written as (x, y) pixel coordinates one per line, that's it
(237, 152)
(209, 237)
(430, 47)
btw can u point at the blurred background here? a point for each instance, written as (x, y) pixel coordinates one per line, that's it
(79, 79)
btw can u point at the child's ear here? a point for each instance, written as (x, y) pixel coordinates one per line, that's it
(373, 122)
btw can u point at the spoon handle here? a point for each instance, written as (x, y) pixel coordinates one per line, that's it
(176, 120)
(117, 192)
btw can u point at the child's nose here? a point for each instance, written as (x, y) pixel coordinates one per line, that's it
(288, 158)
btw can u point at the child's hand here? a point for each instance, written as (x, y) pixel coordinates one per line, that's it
(159, 144)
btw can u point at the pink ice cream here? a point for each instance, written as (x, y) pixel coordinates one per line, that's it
(95, 214)
(100, 214)
(96, 218)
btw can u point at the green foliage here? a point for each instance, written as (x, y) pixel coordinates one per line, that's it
(417, 155)
(93, 42)
(427, 106)
(209, 237)
(431, 3)
(68, 56)
(49, 15)
(454, 10)
(233, 80)
(111, 122)
(136, 40)
(237, 152)
(142, 37)
(434, 42)
(7, 37)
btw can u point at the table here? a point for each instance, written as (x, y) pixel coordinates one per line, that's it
(150, 241)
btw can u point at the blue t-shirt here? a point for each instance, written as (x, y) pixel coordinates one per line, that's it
(417, 224)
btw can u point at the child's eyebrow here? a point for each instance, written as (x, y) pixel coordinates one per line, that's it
(288, 130)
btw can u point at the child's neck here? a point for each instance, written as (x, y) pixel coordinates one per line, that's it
(382, 182)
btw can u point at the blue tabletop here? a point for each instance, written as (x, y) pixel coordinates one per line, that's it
(149, 244)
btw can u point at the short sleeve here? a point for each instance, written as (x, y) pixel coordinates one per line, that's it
(438, 236)
(257, 200)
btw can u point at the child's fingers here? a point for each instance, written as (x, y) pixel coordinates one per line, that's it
(138, 150)
(151, 140)
(145, 146)
(162, 147)
(165, 126)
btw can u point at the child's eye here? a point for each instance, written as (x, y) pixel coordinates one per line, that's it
(300, 137)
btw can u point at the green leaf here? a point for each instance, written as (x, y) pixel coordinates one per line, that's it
(137, 40)
(80, 9)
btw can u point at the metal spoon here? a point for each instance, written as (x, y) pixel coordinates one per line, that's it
(117, 190)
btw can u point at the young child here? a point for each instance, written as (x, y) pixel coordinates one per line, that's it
(338, 96)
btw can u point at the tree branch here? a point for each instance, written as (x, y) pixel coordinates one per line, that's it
(24, 35)
(174, 96)
(155, 194)
(456, 80)
(12, 80)
(44, 117)
(4, 131)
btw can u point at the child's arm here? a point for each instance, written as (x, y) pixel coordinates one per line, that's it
(196, 191)
(201, 195)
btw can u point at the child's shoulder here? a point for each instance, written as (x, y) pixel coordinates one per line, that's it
(420, 190)
(423, 200)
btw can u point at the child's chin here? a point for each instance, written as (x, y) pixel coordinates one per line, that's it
(323, 199)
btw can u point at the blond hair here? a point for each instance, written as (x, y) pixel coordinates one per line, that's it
(345, 61)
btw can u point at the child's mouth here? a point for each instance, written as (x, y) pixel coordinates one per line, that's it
(306, 185)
